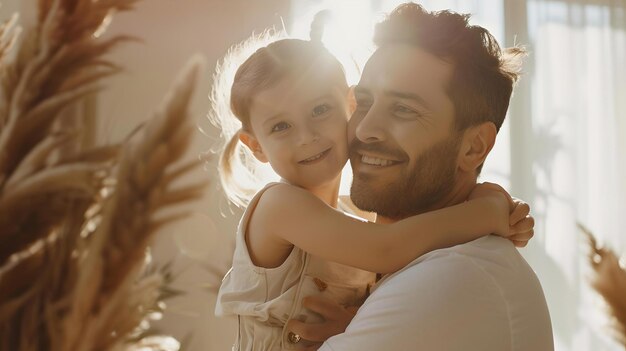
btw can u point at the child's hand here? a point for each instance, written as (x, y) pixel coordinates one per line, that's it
(503, 205)
(520, 222)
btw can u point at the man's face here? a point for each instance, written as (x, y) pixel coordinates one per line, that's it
(403, 149)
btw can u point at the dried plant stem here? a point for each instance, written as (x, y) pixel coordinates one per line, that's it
(610, 282)
(76, 219)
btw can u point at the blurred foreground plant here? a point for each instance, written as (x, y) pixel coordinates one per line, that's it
(610, 282)
(75, 219)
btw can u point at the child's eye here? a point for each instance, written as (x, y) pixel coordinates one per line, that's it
(280, 126)
(320, 109)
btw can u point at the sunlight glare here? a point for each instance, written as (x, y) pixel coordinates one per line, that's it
(347, 33)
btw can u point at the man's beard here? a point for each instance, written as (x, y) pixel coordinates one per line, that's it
(413, 191)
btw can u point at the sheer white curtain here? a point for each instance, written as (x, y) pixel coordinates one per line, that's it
(570, 144)
(562, 147)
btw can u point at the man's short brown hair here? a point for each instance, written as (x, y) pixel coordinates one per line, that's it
(484, 75)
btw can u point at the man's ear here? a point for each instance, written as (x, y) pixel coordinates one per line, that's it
(253, 144)
(351, 101)
(477, 143)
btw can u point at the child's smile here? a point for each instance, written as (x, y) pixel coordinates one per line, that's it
(299, 126)
(316, 158)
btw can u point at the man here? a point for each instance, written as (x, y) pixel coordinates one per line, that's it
(429, 104)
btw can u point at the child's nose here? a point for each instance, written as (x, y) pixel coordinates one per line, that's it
(308, 136)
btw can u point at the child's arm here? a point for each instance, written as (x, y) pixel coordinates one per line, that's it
(521, 222)
(293, 215)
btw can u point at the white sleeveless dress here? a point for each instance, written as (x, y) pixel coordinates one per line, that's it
(264, 299)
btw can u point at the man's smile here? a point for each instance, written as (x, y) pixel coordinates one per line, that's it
(366, 161)
(379, 161)
(375, 156)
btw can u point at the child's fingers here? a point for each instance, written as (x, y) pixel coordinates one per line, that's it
(520, 243)
(524, 225)
(520, 211)
(521, 239)
(523, 236)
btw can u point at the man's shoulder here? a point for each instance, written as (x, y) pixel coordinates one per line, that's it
(486, 279)
(484, 251)
(489, 259)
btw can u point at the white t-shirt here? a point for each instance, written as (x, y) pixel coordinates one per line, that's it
(480, 296)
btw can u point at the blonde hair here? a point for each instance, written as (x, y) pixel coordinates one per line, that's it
(266, 66)
(234, 158)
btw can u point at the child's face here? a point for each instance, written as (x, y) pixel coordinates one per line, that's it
(299, 126)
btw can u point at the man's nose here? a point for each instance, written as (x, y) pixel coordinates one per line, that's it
(371, 129)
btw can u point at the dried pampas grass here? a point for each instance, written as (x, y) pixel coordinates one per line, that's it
(610, 282)
(8, 36)
(76, 220)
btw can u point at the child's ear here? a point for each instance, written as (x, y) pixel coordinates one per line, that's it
(476, 145)
(351, 100)
(253, 144)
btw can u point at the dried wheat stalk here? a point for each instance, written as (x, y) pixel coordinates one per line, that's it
(8, 36)
(610, 282)
(130, 217)
(42, 198)
(57, 63)
(75, 223)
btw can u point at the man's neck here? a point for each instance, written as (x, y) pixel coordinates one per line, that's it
(459, 194)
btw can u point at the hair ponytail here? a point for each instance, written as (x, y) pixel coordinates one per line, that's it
(316, 32)
(236, 168)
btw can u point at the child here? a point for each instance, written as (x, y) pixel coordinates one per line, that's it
(292, 100)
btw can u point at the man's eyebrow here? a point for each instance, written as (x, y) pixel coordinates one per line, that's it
(409, 96)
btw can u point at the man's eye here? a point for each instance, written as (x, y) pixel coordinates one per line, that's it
(279, 127)
(320, 109)
(405, 112)
(400, 108)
